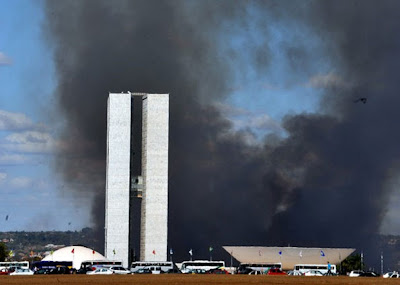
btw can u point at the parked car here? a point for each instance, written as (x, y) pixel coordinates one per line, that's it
(119, 270)
(313, 272)
(59, 270)
(100, 271)
(13, 268)
(245, 270)
(393, 274)
(42, 271)
(276, 271)
(356, 273)
(142, 271)
(370, 274)
(84, 270)
(22, 271)
(217, 271)
(294, 273)
(255, 272)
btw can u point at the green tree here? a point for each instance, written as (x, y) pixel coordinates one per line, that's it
(3, 252)
(353, 262)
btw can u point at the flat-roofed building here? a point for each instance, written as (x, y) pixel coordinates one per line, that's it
(288, 256)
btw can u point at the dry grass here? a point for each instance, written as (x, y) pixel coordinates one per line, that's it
(172, 279)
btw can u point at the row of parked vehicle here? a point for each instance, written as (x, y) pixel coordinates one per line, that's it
(107, 270)
(13, 270)
(121, 270)
(361, 273)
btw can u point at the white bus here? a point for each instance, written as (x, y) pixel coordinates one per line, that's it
(7, 264)
(154, 266)
(245, 268)
(303, 268)
(94, 264)
(203, 265)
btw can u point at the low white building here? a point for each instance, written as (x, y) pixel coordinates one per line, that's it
(288, 256)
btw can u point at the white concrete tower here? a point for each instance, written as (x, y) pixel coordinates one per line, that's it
(118, 177)
(154, 220)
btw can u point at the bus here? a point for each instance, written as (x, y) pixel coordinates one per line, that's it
(245, 268)
(48, 264)
(203, 265)
(94, 264)
(154, 266)
(303, 268)
(8, 264)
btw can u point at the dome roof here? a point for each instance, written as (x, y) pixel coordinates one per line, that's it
(76, 253)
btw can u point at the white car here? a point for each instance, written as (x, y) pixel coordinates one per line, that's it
(22, 271)
(119, 270)
(294, 273)
(356, 273)
(255, 272)
(101, 271)
(393, 274)
(313, 272)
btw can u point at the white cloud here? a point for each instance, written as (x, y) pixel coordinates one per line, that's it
(3, 177)
(229, 110)
(247, 121)
(4, 60)
(330, 80)
(7, 159)
(29, 142)
(261, 122)
(14, 121)
(21, 182)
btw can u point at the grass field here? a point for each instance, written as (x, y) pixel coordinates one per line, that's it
(172, 279)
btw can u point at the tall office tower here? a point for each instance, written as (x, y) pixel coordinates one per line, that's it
(154, 223)
(152, 186)
(118, 177)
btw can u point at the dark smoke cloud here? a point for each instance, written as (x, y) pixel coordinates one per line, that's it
(323, 184)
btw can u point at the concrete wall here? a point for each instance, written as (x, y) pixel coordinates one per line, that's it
(154, 224)
(118, 177)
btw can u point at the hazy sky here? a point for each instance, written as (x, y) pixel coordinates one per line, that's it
(36, 198)
(33, 197)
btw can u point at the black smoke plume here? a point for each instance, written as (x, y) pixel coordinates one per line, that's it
(324, 184)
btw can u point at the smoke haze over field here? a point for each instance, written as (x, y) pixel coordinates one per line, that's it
(333, 168)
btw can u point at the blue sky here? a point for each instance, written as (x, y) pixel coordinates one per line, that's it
(34, 198)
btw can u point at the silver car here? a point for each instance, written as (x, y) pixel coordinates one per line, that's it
(119, 270)
(22, 271)
(101, 271)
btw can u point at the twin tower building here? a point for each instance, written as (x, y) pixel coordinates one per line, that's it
(151, 186)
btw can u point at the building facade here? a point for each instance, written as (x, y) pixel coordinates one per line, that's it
(154, 193)
(118, 177)
(154, 230)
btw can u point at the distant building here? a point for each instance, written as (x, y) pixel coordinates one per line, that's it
(288, 256)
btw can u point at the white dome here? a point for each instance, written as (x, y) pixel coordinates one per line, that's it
(76, 253)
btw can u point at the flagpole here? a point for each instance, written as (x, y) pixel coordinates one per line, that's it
(73, 257)
(362, 259)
